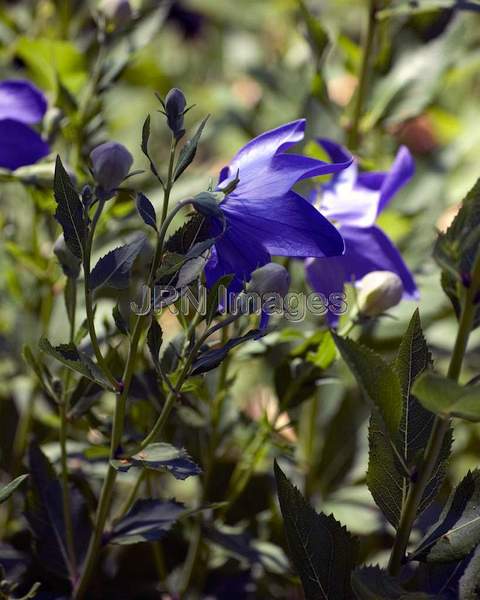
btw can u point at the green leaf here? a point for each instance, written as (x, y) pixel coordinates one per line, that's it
(391, 459)
(372, 583)
(69, 211)
(71, 357)
(456, 249)
(317, 34)
(187, 153)
(146, 211)
(447, 398)
(148, 520)
(378, 380)
(154, 339)
(322, 551)
(161, 457)
(193, 231)
(8, 490)
(457, 530)
(469, 584)
(113, 269)
(120, 320)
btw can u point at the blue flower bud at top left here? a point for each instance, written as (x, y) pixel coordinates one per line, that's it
(175, 104)
(111, 163)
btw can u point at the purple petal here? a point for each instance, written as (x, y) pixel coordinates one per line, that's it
(264, 170)
(357, 207)
(21, 101)
(20, 145)
(235, 252)
(366, 250)
(286, 226)
(399, 175)
(336, 152)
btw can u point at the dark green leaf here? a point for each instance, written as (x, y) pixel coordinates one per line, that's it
(212, 358)
(456, 249)
(317, 34)
(391, 459)
(187, 153)
(119, 319)
(71, 357)
(372, 583)
(69, 211)
(8, 490)
(447, 398)
(322, 551)
(145, 135)
(146, 211)
(113, 269)
(161, 457)
(154, 339)
(457, 530)
(193, 231)
(469, 584)
(146, 521)
(378, 380)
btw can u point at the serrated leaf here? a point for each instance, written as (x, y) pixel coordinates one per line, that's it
(113, 269)
(69, 211)
(187, 153)
(194, 230)
(378, 380)
(147, 521)
(469, 584)
(372, 583)
(8, 489)
(154, 340)
(161, 457)
(456, 249)
(457, 530)
(391, 458)
(322, 551)
(71, 357)
(447, 398)
(146, 211)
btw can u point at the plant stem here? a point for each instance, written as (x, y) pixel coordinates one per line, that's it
(354, 132)
(89, 300)
(106, 494)
(437, 435)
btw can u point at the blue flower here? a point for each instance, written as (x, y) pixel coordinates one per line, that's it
(21, 105)
(353, 200)
(262, 215)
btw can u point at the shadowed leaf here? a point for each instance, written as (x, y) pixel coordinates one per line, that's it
(113, 269)
(188, 151)
(8, 489)
(372, 583)
(146, 211)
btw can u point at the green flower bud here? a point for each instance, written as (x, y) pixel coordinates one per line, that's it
(379, 291)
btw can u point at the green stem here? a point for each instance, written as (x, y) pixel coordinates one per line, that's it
(106, 494)
(354, 132)
(156, 546)
(89, 301)
(437, 436)
(67, 514)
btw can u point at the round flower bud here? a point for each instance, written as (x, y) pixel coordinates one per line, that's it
(379, 291)
(117, 12)
(69, 262)
(270, 279)
(175, 104)
(111, 163)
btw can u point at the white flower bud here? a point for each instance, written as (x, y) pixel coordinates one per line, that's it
(379, 291)
(270, 279)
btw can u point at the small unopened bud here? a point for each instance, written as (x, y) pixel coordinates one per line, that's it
(117, 12)
(175, 104)
(69, 262)
(111, 163)
(379, 291)
(270, 279)
(207, 203)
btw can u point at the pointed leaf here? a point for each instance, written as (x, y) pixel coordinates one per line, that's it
(146, 211)
(146, 521)
(119, 319)
(154, 339)
(193, 231)
(447, 398)
(392, 458)
(322, 551)
(187, 153)
(69, 211)
(378, 380)
(372, 583)
(113, 269)
(161, 457)
(8, 490)
(457, 530)
(469, 584)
